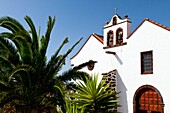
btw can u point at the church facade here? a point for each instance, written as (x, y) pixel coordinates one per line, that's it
(138, 61)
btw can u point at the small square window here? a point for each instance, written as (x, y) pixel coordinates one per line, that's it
(147, 62)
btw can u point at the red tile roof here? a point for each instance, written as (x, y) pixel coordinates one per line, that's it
(98, 37)
(158, 24)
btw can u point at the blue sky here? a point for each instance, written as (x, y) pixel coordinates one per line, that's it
(80, 18)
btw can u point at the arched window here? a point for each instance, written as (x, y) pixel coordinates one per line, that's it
(119, 36)
(114, 21)
(110, 38)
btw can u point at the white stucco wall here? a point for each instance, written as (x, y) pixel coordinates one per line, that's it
(127, 62)
(92, 50)
(147, 37)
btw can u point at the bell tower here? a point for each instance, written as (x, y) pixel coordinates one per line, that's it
(116, 31)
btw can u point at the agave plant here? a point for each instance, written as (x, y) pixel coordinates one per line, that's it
(71, 108)
(95, 96)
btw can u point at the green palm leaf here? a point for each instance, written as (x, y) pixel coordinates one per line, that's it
(45, 39)
(28, 82)
(35, 40)
(11, 24)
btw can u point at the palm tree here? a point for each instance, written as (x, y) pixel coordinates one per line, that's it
(27, 80)
(95, 96)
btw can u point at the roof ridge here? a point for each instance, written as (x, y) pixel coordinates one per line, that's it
(151, 21)
(97, 34)
(98, 37)
(158, 24)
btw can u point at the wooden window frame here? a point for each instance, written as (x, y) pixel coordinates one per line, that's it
(149, 63)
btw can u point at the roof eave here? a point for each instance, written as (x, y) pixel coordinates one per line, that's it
(96, 36)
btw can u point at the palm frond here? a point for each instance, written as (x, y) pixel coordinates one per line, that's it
(45, 39)
(8, 50)
(21, 75)
(56, 57)
(35, 39)
(11, 24)
(6, 64)
(72, 75)
(24, 48)
(62, 60)
(22, 42)
(84, 65)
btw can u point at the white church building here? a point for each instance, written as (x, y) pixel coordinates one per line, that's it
(139, 61)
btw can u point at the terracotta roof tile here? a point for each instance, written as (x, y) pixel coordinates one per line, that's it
(98, 37)
(158, 24)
